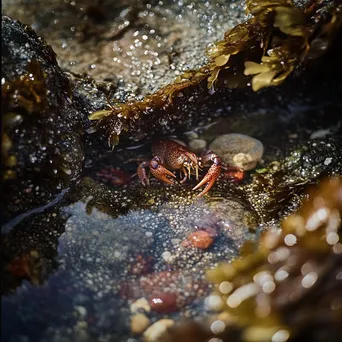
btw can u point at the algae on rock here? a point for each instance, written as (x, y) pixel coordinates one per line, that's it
(277, 40)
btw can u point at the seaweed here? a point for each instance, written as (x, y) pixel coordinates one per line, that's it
(26, 95)
(285, 287)
(278, 39)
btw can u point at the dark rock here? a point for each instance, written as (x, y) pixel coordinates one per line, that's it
(43, 149)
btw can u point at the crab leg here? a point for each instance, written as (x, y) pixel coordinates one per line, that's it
(183, 170)
(160, 172)
(142, 173)
(212, 174)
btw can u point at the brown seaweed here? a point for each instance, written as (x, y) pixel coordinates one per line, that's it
(24, 95)
(288, 286)
(277, 286)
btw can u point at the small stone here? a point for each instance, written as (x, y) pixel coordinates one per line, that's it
(163, 302)
(200, 239)
(166, 256)
(140, 304)
(82, 311)
(139, 323)
(238, 150)
(197, 145)
(156, 330)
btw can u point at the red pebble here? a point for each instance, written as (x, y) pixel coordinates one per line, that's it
(163, 302)
(201, 239)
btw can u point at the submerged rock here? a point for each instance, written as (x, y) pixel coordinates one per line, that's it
(110, 242)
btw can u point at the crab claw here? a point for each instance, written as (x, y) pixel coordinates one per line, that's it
(160, 172)
(211, 176)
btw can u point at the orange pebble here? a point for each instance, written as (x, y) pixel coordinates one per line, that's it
(200, 239)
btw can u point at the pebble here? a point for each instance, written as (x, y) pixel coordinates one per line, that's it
(166, 256)
(82, 311)
(238, 150)
(139, 323)
(200, 239)
(156, 330)
(140, 304)
(163, 302)
(197, 145)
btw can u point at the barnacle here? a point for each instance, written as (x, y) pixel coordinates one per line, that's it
(265, 50)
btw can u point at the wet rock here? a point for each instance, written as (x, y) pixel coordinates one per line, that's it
(139, 323)
(238, 150)
(157, 329)
(146, 53)
(197, 145)
(43, 150)
(284, 181)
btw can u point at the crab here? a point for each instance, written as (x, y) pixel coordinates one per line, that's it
(170, 155)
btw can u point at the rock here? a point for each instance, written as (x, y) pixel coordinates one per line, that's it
(191, 135)
(163, 302)
(197, 145)
(139, 323)
(140, 304)
(200, 239)
(156, 330)
(42, 129)
(238, 150)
